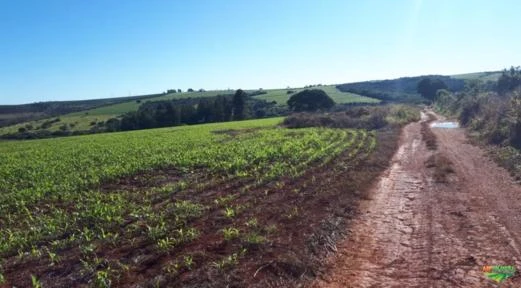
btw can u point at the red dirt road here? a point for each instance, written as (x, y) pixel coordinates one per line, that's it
(416, 232)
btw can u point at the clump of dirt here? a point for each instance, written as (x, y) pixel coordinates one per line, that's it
(442, 165)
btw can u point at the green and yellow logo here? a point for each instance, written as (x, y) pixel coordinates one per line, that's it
(499, 273)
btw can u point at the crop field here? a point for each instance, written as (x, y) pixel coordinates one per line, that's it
(145, 207)
(281, 96)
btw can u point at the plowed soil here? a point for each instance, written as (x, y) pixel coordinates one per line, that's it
(418, 231)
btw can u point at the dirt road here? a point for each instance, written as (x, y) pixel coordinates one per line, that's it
(417, 232)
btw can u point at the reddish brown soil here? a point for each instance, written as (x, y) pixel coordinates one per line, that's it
(418, 232)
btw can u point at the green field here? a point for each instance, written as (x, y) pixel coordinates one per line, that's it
(82, 121)
(54, 195)
(281, 96)
(483, 76)
(118, 109)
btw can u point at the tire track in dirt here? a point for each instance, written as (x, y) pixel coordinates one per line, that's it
(415, 232)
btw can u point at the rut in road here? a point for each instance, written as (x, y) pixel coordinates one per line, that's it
(416, 232)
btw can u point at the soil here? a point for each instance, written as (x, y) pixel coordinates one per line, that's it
(415, 231)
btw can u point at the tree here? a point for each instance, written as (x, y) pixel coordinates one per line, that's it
(509, 80)
(204, 111)
(179, 90)
(428, 87)
(190, 90)
(239, 105)
(310, 100)
(113, 124)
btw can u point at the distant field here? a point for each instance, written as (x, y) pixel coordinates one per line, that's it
(121, 108)
(483, 76)
(281, 96)
(74, 122)
(278, 95)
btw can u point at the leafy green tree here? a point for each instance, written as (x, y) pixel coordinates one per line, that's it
(428, 87)
(239, 105)
(310, 100)
(509, 80)
(113, 124)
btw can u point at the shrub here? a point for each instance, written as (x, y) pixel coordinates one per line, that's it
(369, 118)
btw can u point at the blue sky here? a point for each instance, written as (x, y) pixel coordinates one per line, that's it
(72, 49)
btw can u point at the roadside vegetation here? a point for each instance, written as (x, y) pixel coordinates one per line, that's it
(366, 117)
(492, 113)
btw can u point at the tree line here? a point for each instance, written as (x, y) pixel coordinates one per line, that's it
(403, 89)
(221, 108)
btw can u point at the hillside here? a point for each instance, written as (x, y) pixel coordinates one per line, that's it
(12, 114)
(398, 90)
(86, 114)
(87, 118)
(482, 76)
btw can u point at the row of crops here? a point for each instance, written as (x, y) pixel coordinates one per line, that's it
(54, 197)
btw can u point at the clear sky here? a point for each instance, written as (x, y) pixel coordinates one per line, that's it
(77, 49)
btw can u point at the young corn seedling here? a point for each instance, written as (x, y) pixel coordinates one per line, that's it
(166, 244)
(102, 279)
(188, 262)
(230, 233)
(229, 212)
(35, 282)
